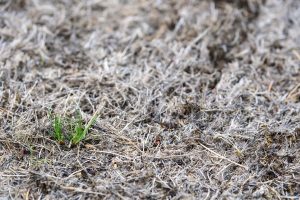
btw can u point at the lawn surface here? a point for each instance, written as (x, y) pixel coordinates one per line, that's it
(196, 99)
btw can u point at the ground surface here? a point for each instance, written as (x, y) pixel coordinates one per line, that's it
(197, 99)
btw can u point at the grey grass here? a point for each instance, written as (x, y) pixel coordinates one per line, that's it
(183, 88)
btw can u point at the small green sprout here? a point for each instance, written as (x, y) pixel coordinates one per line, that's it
(57, 126)
(75, 130)
(81, 130)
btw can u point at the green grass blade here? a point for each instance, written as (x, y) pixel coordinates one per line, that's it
(58, 135)
(78, 131)
(81, 131)
(90, 123)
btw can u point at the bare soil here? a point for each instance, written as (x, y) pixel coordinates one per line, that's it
(197, 99)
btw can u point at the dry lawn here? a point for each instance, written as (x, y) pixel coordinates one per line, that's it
(198, 99)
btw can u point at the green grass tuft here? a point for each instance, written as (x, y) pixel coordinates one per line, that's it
(76, 131)
(80, 130)
(58, 127)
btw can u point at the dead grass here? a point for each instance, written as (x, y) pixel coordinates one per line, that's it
(196, 99)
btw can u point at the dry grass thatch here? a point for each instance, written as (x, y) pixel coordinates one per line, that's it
(197, 99)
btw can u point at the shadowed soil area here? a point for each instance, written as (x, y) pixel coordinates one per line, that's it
(196, 99)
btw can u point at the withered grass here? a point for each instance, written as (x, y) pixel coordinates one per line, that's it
(196, 99)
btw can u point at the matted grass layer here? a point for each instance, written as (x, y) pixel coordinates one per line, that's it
(196, 99)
